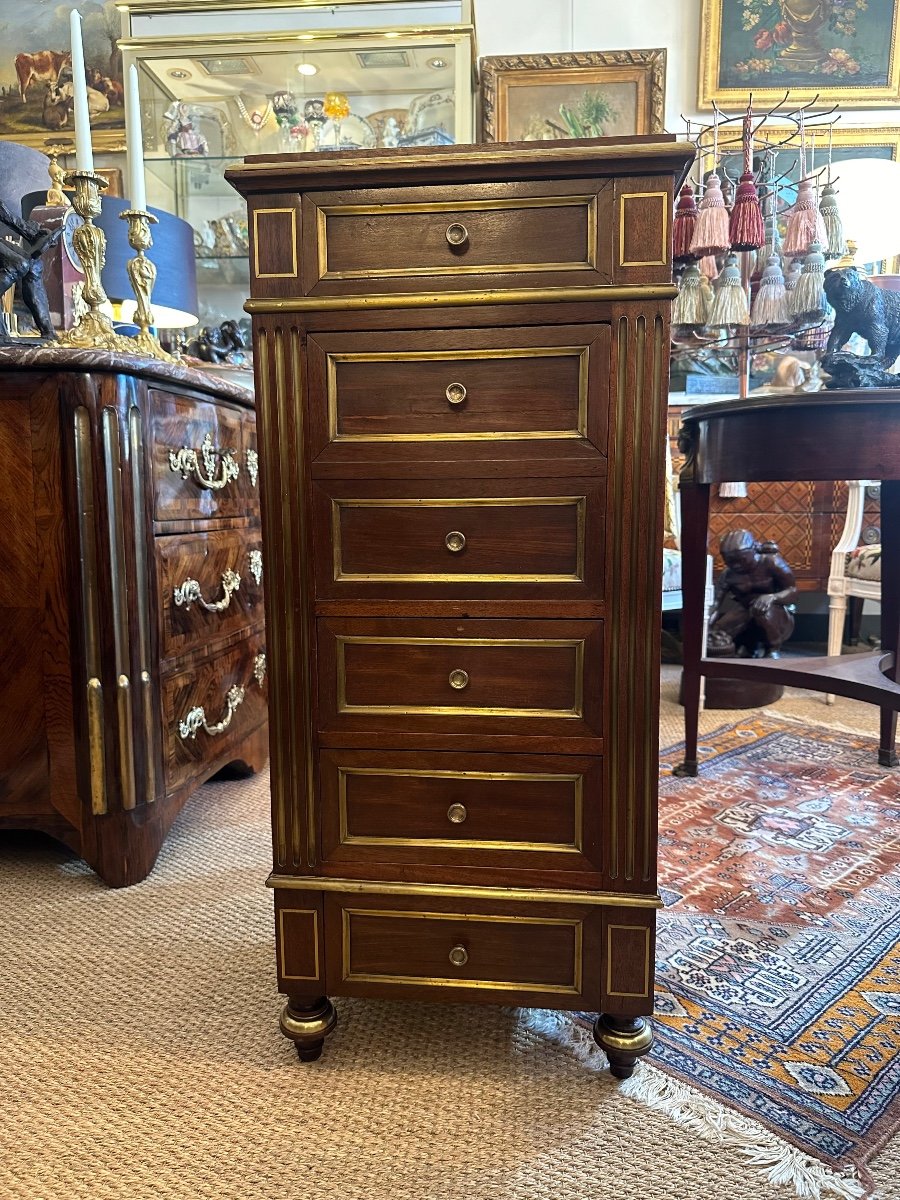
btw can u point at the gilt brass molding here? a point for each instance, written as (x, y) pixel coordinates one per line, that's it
(393, 914)
(341, 576)
(320, 883)
(461, 710)
(90, 612)
(589, 263)
(663, 259)
(602, 293)
(452, 358)
(136, 442)
(271, 212)
(573, 847)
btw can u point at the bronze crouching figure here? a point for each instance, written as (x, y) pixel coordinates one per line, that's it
(754, 599)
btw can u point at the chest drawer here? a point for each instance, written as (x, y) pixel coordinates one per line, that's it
(197, 459)
(470, 538)
(209, 710)
(210, 586)
(461, 676)
(417, 238)
(506, 810)
(374, 396)
(546, 950)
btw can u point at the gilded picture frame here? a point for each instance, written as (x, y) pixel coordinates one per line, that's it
(34, 64)
(594, 93)
(841, 51)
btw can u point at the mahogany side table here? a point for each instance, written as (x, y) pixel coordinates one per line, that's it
(817, 436)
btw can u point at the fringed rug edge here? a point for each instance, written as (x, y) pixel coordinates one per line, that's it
(779, 1162)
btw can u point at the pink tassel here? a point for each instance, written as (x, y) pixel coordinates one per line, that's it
(805, 224)
(709, 268)
(711, 234)
(746, 228)
(685, 224)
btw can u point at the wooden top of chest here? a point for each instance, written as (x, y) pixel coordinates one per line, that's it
(496, 161)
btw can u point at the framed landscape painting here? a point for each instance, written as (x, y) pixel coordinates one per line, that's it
(546, 97)
(843, 51)
(36, 72)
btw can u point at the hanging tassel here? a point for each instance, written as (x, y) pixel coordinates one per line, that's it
(691, 305)
(746, 229)
(685, 224)
(711, 232)
(805, 224)
(709, 268)
(770, 306)
(808, 303)
(831, 219)
(791, 279)
(772, 247)
(706, 288)
(729, 305)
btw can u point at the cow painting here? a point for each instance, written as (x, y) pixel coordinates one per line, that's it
(43, 66)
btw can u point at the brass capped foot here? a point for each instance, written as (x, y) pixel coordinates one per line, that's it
(308, 1025)
(623, 1040)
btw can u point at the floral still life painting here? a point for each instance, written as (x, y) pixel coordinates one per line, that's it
(842, 50)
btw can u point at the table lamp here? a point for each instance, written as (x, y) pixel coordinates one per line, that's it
(868, 193)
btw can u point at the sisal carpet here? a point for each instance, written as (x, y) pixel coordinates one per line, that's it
(140, 1057)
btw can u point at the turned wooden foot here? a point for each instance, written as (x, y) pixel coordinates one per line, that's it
(623, 1040)
(689, 768)
(308, 1024)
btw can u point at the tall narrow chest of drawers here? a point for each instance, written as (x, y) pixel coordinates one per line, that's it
(461, 360)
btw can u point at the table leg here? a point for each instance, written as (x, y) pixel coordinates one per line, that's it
(890, 608)
(694, 526)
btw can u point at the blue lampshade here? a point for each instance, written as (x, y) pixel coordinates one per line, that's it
(174, 299)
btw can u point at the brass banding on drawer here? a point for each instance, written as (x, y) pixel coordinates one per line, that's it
(484, 950)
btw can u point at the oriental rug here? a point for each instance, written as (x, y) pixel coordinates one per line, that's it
(778, 973)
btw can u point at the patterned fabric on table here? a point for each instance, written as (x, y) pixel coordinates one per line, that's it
(778, 970)
(671, 578)
(864, 563)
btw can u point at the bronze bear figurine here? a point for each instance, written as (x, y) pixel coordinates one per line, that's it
(861, 307)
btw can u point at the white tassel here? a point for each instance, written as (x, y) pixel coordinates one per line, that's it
(808, 303)
(729, 306)
(770, 306)
(834, 226)
(691, 305)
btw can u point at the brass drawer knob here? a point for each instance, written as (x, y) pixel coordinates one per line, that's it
(459, 680)
(455, 541)
(457, 813)
(455, 393)
(459, 956)
(457, 234)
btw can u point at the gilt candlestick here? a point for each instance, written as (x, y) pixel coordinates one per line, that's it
(142, 274)
(94, 329)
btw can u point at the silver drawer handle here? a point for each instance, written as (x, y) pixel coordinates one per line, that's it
(252, 460)
(459, 956)
(256, 567)
(189, 593)
(196, 718)
(187, 462)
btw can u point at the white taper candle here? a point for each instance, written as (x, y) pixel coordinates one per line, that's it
(84, 153)
(137, 190)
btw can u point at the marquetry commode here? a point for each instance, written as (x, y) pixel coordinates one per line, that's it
(461, 359)
(132, 638)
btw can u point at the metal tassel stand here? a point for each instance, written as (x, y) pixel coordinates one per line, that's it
(142, 274)
(784, 130)
(94, 330)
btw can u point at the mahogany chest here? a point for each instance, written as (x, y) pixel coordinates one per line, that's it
(461, 360)
(131, 597)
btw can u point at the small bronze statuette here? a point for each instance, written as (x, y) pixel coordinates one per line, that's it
(871, 312)
(24, 266)
(754, 599)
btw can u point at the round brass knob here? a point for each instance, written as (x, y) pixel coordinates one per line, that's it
(457, 813)
(457, 234)
(455, 393)
(455, 541)
(459, 956)
(459, 679)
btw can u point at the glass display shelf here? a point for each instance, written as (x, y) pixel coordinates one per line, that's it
(220, 82)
